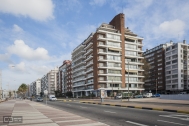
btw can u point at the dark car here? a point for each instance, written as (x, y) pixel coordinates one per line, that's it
(156, 95)
(39, 99)
(138, 96)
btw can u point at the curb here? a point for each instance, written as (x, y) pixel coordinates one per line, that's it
(137, 107)
(66, 100)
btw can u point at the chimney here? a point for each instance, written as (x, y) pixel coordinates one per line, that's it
(184, 41)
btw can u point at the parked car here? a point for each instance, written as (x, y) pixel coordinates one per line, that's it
(156, 95)
(147, 95)
(52, 98)
(39, 99)
(138, 96)
(119, 96)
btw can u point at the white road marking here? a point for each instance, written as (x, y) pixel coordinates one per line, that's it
(138, 124)
(181, 117)
(109, 112)
(72, 120)
(83, 107)
(172, 122)
(69, 105)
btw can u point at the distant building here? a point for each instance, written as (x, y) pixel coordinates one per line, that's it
(52, 80)
(63, 76)
(155, 57)
(177, 67)
(36, 87)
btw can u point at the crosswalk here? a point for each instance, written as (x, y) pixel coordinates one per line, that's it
(35, 114)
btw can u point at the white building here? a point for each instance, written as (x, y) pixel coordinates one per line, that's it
(177, 67)
(52, 80)
(36, 87)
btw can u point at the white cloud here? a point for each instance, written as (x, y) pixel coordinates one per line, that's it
(40, 10)
(97, 2)
(18, 67)
(16, 28)
(24, 51)
(172, 28)
(5, 57)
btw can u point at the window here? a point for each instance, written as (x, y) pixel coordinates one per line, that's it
(132, 53)
(111, 36)
(110, 78)
(174, 61)
(113, 44)
(175, 76)
(129, 46)
(114, 71)
(110, 57)
(131, 66)
(167, 63)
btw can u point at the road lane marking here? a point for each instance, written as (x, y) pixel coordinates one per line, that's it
(109, 111)
(181, 117)
(69, 105)
(139, 124)
(172, 122)
(83, 107)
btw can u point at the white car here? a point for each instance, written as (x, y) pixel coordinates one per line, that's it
(52, 98)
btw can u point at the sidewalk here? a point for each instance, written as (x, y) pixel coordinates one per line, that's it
(36, 114)
(142, 104)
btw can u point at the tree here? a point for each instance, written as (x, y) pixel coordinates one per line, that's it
(146, 68)
(10, 94)
(69, 94)
(41, 94)
(22, 89)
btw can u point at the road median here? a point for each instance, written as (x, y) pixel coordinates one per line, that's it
(184, 110)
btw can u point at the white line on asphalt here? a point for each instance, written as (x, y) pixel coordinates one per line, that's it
(109, 112)
(72, 120)
(69, 105)
(83, 107)
(172, 122)
(181, 117)
(139, 124)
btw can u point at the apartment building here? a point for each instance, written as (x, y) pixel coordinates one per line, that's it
(52, 81)
(78, 71)
(44, 83)
(36, 85)
(106, 59)
(155, 57)
(31, 90)
(69, 77)
(177, 67)
(63, 76)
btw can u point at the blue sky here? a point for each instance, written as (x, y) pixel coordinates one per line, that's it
(37, 35)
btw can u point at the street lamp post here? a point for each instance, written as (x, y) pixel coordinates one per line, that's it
(128, 81)
(156, 86)
(112, 87)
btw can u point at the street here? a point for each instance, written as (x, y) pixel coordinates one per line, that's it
(120, 116)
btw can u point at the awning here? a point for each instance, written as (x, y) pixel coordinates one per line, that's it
(114, 49)
(134, 71)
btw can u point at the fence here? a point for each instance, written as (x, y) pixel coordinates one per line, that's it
(175, 97)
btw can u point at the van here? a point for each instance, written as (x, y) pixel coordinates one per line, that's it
(147, 95)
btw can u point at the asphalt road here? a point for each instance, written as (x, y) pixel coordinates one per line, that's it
(119, 116)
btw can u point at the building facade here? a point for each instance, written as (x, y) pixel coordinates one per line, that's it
(177, 67)
(44, 83)
(52, 81)
(155, 57)
(106, 59)
(69, 76)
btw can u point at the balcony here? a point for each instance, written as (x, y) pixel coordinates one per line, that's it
(79, 74)
(80, 57)
(109, 66)
(88, 46)
(90, 63)
(89, 70)
(76, 80)
(78, 69)
(88, 58)
(88, 52)
(76, 65)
